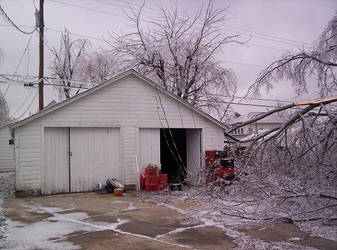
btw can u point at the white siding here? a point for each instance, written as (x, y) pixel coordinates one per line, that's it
(149, 145)
(6, 150)
(194, 159)
(94, 157)
(130, 103)
(56, 161)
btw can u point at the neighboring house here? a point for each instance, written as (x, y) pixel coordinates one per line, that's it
(110, 131)
(6, 148)
(258, 127)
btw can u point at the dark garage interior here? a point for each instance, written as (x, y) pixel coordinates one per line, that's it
(173, 154)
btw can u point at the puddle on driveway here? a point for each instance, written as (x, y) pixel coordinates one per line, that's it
(151, 221)
(108, 239)
(148, 228)
(202, 238)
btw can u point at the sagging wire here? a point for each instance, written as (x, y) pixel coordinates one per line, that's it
(181, 164)
(6, 17)
(20, 61)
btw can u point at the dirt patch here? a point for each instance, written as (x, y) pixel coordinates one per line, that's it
(203, 238)
(289, 232)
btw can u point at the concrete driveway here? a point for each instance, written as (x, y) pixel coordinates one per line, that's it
(102, 221)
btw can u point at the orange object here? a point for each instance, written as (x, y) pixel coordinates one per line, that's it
(118, 192)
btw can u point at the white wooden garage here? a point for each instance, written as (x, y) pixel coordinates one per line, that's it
(6, 148)
(110, 131)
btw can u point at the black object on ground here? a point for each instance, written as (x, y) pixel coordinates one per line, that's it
(111, 184)
(175, 187)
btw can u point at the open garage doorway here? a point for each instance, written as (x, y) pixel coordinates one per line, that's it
(180, 153)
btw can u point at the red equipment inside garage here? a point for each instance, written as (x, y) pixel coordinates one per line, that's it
(219, 166)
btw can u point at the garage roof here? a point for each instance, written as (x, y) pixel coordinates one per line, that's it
(106, 83)
(7, 123)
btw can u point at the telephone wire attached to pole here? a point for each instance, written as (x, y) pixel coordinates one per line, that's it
(40, 24)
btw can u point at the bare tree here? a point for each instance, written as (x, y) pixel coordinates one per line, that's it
(286, 173)
(98, 67)
(4, 110)
(291, 171)
(179, 53)
(317, 65)
(67, 65)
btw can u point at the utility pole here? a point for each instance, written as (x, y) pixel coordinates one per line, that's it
(41, 54)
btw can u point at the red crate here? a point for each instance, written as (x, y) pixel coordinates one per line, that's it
(150, 188)
(163, 178)
(163, 186)
(151, 171)
(151, 180)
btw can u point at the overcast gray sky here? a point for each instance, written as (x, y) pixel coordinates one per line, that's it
(275, 26)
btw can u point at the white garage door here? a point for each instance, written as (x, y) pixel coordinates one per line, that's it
(56, 161)
(149, 145)
(94, 157)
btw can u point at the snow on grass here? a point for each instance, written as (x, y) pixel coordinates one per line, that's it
(211, 212)
(6, 184)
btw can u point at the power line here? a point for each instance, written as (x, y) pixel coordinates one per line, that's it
(264, 47)
(102, 40)
(179, 160)
(268, 35)
(20, 61)
(132, 4)
(33, 84)
(13, 24)
(29, 94)
(77, 34)
(244, 64)
(209, 101)
(248, 98)
(87, 8)
(6, 76)
(28, 107)
(243, 104)
(115, 14)
(85, 82)
(123, 6)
